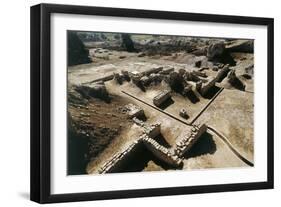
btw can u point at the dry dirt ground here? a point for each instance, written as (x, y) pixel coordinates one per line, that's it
(107, 130)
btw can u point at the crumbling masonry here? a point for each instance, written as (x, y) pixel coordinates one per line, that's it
(172, 156)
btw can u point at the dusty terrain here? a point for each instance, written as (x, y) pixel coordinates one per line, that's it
(100, 128)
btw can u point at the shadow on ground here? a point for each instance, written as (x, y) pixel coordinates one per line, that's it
(192, 97)
(166, 104)
(139, 161)
(212, 92)
(205, 145)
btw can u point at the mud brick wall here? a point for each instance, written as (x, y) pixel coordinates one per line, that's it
(152, 130)
(120, 160)
(185, 142)
(161, 152)
(170, 156)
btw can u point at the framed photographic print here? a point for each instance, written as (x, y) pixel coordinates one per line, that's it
(132, 103)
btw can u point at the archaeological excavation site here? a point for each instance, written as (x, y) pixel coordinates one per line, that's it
(142, 103)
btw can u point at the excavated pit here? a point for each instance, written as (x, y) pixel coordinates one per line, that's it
(135, 72)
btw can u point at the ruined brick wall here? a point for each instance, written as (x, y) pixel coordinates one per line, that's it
(185, 142)
(172, 156)
(120, 160)
(161, 152)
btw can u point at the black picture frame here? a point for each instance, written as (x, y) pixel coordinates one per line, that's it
(41, 99)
